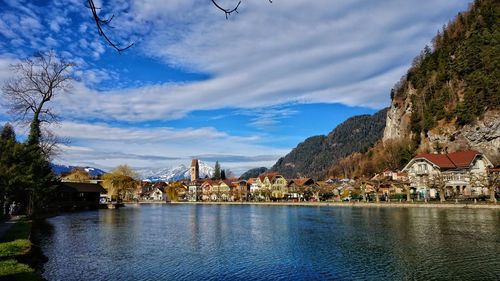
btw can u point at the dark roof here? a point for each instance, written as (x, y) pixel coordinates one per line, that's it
(301, 181)
(80, 187)
(455, 160)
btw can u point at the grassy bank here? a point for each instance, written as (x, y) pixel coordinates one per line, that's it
(14, 246)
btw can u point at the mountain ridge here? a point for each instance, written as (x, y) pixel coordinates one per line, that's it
(315, 155)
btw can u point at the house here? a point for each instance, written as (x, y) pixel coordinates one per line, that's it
(240, 190)
(279, 188)
(207, 187)
(79, 195)
(254, 184)
(194, 190)
(459, 172)
(297, 188)
(391, 176)
(157, 194)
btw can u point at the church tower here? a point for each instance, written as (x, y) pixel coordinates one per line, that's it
(195, 170)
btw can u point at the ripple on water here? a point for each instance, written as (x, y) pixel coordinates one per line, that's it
(184, 242)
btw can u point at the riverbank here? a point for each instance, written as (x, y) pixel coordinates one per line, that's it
(15, 249)
(350, 204)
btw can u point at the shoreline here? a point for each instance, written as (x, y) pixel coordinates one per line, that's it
(342, 204)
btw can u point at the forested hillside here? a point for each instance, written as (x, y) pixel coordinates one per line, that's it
(458, 80)
(449, 99)
(316, 154)
(253, 173)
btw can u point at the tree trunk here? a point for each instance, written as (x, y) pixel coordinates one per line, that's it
(35, 132)
(408, 195)
(442, 195)
(492, 194)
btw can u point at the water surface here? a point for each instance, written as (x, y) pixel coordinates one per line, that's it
(210, 242)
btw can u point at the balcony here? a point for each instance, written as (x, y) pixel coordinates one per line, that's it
(421, 172)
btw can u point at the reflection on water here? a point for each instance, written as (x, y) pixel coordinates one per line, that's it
(192, 242)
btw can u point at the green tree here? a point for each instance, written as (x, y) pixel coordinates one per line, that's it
(217, 171)
(38, 80)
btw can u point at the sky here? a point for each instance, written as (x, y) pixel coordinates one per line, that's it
(243, 90)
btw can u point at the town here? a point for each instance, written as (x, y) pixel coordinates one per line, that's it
(460, 176)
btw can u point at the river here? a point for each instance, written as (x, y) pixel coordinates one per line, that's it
(218, 242)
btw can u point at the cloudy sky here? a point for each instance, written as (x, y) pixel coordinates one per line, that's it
(243, 91)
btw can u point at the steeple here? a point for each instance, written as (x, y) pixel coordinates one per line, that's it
(195, 170)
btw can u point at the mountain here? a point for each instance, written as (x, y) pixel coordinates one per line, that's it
(450, 97)
(449, 100)
(174, 174)
(58, 169)
(253, 173)
(314, 156)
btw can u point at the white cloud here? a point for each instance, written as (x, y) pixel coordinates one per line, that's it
(107, 146)
(270, 54)
(349, 52)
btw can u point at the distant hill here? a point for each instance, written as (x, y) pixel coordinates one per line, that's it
(314, 156)
(253, 173)
(58, 169)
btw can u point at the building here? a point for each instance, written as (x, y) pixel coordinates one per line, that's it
(79, 195)
(297, 188)
(194, 192)
(459, 172)
(195, 170)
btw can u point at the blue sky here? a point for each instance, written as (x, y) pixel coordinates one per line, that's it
(244, 90)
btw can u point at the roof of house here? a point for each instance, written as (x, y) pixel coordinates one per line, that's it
(228, 182)
(455, 160)
(269, 175)
(302, 181)
(80, 187)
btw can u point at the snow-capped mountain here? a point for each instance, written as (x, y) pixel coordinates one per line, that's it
(174, 174)
(59, 169)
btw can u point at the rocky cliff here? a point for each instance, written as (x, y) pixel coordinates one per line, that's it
(450, 97)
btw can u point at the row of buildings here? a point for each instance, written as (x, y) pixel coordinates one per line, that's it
(463, 174)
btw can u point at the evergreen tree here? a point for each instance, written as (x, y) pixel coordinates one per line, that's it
(222, 174)
(217, 173)
(8, 133)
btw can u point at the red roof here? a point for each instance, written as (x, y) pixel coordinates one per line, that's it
(302, 181)
(455, 160)
(269, 175)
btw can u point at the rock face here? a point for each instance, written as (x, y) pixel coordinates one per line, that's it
(482, 135)
(398, 119)
(450, 97)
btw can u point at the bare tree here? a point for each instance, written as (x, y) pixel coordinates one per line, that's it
(39, 79)
(377, 184)
(438, 182)
(102, 23)
(489, 181)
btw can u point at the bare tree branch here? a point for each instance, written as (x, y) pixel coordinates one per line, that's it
(104, 22)
(101, 23)
(38, 80)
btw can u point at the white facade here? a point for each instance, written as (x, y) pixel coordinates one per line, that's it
(468, 180)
